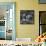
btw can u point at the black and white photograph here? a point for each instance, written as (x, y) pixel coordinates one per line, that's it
(26, 16)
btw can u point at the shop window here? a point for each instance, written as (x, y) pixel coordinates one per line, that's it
(42, 22)
(42, 1)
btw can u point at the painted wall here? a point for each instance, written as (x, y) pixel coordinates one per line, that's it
(28, 31)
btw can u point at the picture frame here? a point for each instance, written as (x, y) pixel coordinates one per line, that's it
(26, 16)
(42, 1)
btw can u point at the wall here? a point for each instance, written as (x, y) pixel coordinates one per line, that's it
(28, 31)
(24, 30)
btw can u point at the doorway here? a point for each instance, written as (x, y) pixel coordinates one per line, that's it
(7, 21)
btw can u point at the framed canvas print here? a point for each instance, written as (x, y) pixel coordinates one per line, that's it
(42, 1)
(7, 20)
(26, 16)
